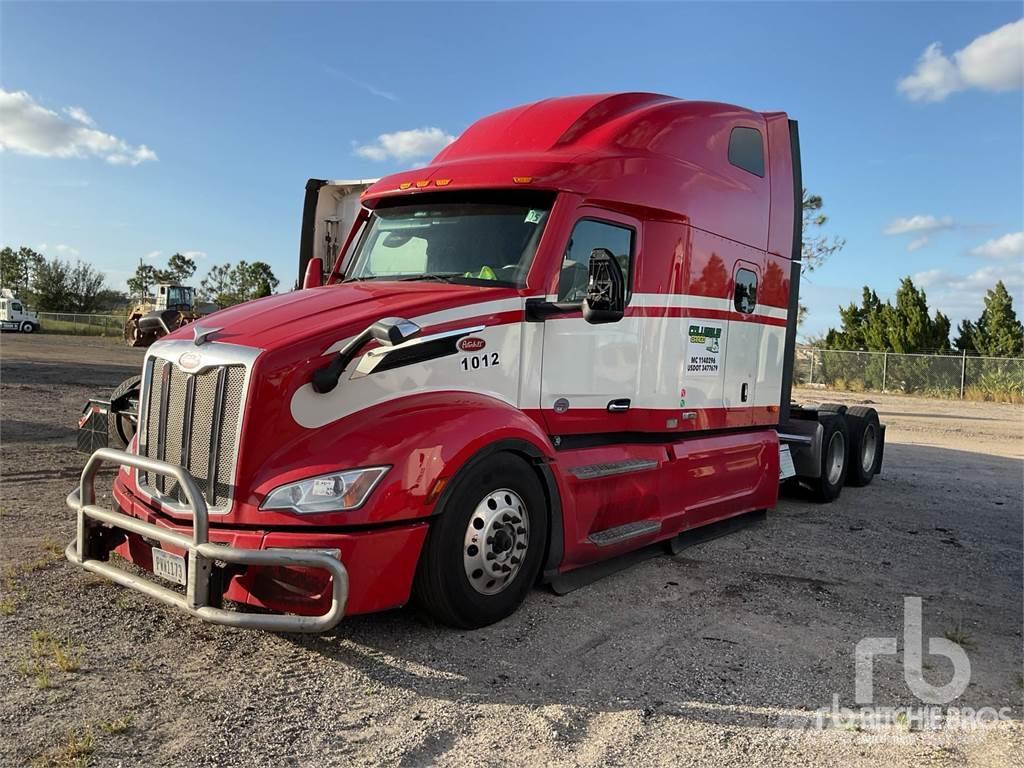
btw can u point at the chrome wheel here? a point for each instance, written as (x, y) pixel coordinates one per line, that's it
(868, 447)
(496, 541)
(835, 458)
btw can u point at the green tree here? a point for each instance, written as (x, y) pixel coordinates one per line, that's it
(253, 281)
(217, 286)
(904, 327)
(179, 269)
(51, 286)
(964, 341)
(17, 269)
(998, 332)
(144, 278)
(816, 247)
(84, 285)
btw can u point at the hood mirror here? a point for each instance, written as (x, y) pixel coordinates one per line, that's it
(394, 330)
(314, 276)
(389, 331)
(605, 301)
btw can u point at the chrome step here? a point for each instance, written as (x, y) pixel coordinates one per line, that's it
(593, 471)
(621, 533)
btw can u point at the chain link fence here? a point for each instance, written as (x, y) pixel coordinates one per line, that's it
(81, 324)
(949, 376)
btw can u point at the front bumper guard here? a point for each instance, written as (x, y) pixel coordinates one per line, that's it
(202, 553)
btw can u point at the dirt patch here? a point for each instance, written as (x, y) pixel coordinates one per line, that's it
(712, 657)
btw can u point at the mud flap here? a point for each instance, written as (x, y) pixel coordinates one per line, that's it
(92, 426)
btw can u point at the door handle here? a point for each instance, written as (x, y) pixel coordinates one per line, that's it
(618, 406)
(744, 390)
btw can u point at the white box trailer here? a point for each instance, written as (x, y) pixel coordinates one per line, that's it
(328, 213)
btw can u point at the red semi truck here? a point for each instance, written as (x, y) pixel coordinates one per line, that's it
(569, 337)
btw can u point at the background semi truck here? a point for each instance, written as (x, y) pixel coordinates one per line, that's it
(569, 337)
(14, 315)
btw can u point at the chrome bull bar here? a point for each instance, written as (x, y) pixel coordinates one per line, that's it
(202, 553)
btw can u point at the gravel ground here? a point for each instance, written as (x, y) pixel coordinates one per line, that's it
(717, 656)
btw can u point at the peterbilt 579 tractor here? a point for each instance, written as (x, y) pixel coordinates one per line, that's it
(569, 337)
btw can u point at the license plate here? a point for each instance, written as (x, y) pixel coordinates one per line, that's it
(168, 565)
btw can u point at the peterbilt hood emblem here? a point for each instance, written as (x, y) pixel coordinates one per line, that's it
(189, 361)
(201, 335)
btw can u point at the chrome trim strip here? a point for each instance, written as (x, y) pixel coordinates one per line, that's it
(370, 360)
(594, 471)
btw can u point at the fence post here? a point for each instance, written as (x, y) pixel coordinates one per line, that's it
(963, 374)
(885, 366)
(811, 381)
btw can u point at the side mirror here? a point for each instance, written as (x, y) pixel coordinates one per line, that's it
(606, 289)
(314, 276)
(394, 330)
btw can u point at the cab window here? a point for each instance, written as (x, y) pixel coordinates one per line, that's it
(587, 235)
(16, 306)
(745, 294)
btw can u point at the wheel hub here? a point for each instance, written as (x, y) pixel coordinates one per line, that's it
(496, 541)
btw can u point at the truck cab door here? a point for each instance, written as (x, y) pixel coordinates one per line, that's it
(743, 347)
(590, 372)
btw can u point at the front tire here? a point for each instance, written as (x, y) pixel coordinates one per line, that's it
(28, 328)
(485, 549)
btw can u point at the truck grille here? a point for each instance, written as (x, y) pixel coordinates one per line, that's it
(191, 419)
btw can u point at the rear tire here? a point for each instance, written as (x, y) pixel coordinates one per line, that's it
(865, 440)
(460, 579)
(835, 438)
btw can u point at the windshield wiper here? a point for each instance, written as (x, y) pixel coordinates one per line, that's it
(442, 277)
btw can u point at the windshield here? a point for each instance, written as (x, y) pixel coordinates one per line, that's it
(177, 295)
(466, 241)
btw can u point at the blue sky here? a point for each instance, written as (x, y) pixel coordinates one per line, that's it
(206, 120)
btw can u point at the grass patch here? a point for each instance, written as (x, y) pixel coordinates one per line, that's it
(73, 752)
(120, 725)
(959, 637)
(12, 589)
(48, 656)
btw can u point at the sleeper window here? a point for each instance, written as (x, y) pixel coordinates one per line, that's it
(746, 150)
(745, 294)
(587, 235)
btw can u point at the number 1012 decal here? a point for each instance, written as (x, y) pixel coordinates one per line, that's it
(476, 362)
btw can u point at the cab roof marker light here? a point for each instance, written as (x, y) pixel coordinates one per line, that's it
(422, 184)
(522, 179)
(405, 185)
(442, 182)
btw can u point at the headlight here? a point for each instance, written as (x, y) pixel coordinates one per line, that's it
(334, 492)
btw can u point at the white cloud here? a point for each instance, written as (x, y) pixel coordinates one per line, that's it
(1008, 246)
(404, 145)
(361, 84)
(61, 249)
(151, 256)
(79, 114)
(919, 223)
(30, 129)
(991, 62)
(963, 296)
(194, 255)
(920, 242)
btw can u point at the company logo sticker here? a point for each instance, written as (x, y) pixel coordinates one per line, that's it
(472, 344)
(561, 405)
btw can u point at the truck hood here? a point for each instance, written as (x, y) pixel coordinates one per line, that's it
(342, 309)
